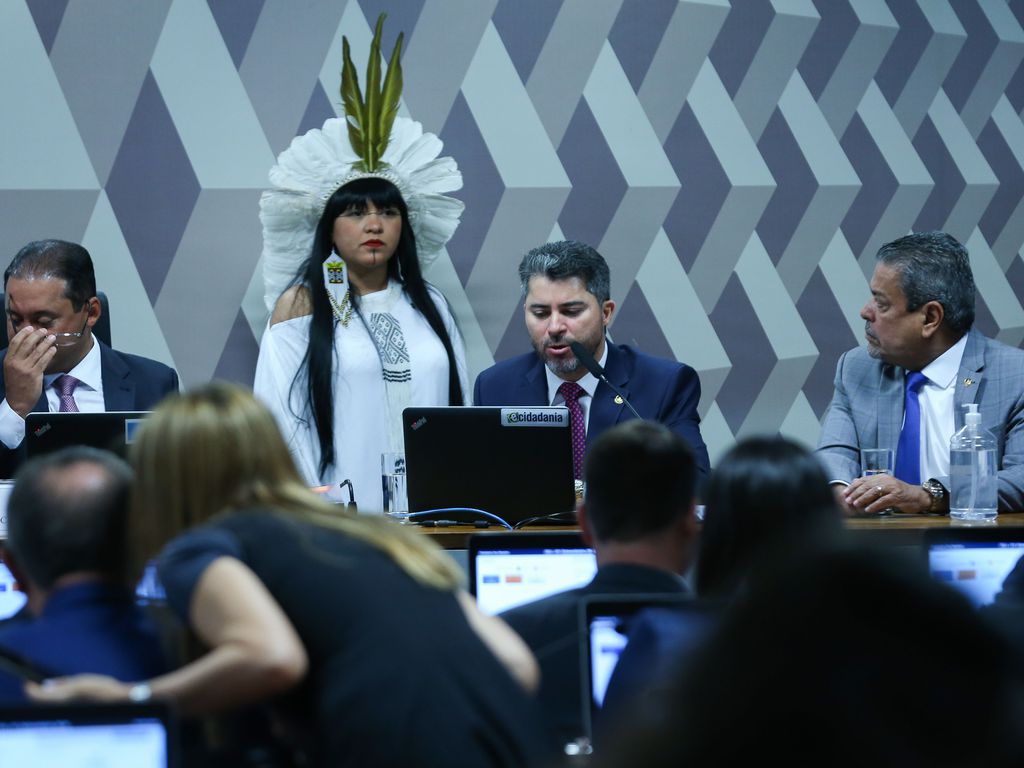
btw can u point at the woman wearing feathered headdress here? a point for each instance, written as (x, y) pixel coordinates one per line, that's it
(356, 334)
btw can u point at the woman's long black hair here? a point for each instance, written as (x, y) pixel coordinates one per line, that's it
(403, 267)
(767, 497)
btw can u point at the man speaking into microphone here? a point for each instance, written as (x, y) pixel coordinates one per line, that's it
(566, 299)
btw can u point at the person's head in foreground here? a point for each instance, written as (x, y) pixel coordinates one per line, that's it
(640, 480)
(766, 497)
(842, 658)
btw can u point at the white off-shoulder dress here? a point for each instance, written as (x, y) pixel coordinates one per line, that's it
(367, 412)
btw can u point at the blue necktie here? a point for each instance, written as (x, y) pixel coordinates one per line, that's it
(908, 451)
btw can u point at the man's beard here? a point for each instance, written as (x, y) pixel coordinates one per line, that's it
(562, 367)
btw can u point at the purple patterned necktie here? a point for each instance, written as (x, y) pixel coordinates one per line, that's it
(572, 393)
(65, 386)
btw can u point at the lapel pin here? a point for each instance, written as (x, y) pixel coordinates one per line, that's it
(968, 381)
(618, 399)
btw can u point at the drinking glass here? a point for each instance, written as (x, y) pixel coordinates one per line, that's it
(392, 472)
(877, 461)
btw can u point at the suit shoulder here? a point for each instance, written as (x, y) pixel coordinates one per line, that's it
(1001, 350)
(644, 361)
(542, 613)
(508, 367)
(147, 364)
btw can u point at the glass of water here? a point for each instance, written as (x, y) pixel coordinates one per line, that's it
(392, 473)
(876, 461)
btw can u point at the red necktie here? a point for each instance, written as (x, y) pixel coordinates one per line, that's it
(65, 386)
(572, 392)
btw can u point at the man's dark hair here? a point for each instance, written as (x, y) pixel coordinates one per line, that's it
(933, 266)
(56, 259)
(59, 522)
(640, 479)
(566, 259)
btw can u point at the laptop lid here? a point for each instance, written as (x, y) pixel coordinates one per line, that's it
(974, 561)
(113, 430)
(90, 736)
(662, 629)
(511, 569)
(515, 463)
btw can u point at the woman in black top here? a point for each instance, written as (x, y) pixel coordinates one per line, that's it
(359, 621)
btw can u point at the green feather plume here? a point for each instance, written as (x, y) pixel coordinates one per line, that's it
(370, 121)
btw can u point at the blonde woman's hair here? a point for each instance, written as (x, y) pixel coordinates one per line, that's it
(217, 449)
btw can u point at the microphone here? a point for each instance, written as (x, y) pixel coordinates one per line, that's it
(595, 368)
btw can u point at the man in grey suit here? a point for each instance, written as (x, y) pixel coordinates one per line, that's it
(907, 390)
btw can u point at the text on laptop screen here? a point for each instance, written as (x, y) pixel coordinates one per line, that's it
(977, 569)
(508, 578)
(140, 744)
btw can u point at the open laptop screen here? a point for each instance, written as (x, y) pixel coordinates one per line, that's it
(88, 736)
(511, 569)
(12, 599)
(630, 643)
(975, 561)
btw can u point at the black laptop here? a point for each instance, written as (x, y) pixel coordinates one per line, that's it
(112, 431)
(515, 463)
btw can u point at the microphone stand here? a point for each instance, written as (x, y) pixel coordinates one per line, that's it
(595, 368)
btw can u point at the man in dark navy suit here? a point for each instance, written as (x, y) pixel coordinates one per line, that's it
(53, 362)
(566, 292)
(67, 546)
(638, 515)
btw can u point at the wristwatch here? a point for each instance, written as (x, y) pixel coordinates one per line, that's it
(938, 493)
(140, 693)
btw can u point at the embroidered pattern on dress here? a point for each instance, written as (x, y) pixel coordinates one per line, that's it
(390, 341)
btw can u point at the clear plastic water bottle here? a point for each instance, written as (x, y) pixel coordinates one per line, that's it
(973, 488)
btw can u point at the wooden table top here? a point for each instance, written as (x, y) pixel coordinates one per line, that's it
(892, 529)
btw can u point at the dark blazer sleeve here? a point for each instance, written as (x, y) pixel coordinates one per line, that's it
(661, 390)
(516, 381)
(134, 383)
(679, 413)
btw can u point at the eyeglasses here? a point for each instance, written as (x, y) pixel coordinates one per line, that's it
(62, 338)
(388, 214)
(69, 339)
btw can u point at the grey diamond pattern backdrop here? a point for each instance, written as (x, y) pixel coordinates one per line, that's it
(738, 164)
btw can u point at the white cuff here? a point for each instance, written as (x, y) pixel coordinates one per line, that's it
(12, 426)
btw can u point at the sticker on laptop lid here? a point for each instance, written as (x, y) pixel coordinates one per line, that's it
(131, 426)
(534, 417)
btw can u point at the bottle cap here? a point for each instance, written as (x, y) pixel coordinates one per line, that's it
(972, 416)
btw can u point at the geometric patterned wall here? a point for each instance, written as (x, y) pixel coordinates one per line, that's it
(738, 165)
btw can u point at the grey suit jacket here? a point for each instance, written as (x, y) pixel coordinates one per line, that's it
(867, 410)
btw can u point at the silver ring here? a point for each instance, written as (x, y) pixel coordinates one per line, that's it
(879, 489)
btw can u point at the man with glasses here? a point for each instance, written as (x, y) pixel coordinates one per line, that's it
(53, 362)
